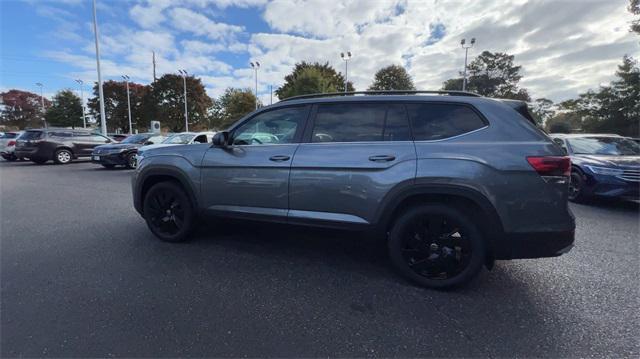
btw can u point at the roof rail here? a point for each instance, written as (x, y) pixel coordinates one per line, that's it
(382, 92)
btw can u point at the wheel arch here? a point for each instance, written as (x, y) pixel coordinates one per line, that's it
(470, 201)
(157, 175)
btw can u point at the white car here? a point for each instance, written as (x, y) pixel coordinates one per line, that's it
(183, 138)
(8, 145)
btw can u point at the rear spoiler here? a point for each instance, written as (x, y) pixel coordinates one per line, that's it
(522, 108)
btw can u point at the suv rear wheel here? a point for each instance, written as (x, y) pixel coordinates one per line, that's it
(169, 212)
(436, 246)
(62, 156)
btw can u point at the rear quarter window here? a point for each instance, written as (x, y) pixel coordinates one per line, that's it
(435, 121)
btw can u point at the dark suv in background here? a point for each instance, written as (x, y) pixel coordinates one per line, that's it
(124, 153)
(59, 145)
(452, 180)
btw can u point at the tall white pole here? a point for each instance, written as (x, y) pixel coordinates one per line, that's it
(103, 117)
(346, 74)
(42, 104)
(84, 115)
(129, 106)
(464, 77)
(186, 114)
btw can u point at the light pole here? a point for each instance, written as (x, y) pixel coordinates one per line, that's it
(255, 66)
(42, 103)
(186, 115)
(346, 67)
(103, 117)
(126, 79)
(84, 116)
(466, 52)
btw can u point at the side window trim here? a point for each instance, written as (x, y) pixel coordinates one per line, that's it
(299, 131)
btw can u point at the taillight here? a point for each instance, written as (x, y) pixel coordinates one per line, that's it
(11, 143)
(551, 165)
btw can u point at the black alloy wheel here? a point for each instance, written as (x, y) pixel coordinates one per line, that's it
(132, 161)
(436, 246)
(576, 184)
(168, 212)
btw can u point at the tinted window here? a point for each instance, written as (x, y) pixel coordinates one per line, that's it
(612, 146)
(437, 121)
(31, 135)
(200, 139)
(139, 138)
(277, 126)
(356, 122)
(59, 134)
(99, 138)
(9, 135)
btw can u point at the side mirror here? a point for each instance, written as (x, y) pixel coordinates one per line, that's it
(148, 143)
(221, 139)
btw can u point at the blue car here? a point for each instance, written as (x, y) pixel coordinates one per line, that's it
(602, 166)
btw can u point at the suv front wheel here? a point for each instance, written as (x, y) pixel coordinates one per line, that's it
(169, 212)
(436, 246)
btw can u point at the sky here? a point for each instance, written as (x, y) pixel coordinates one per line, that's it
(564, 47)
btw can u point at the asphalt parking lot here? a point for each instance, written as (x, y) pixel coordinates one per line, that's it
(82, 276)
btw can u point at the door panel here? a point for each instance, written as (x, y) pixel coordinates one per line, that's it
(338, 182)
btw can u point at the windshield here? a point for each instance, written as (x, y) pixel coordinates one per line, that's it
(179, 139)
(139, 138)
(607, 146)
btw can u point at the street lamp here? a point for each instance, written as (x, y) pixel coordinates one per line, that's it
(126, 79)
(466, 51)
(103, 117)
(255, 66)
(84, 116)
(346, 67)
(42, 103)
(186, 115)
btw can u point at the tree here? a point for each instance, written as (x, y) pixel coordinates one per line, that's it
(66, 110)
(232, 106)
(634, 8)
(165, 102)
(559, 127)
(493, 75)
(393, 77)
(308, 78)
(21, 109)
(115, 105)
(542, 110)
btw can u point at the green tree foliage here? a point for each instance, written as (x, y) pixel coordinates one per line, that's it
(232, 106)
(610, 109)
(165, 102)
(634, 8)
(308, 78)
(66, 110)
(393, 77)
(493, 75)
(115, 105)
(21, 109)
(542, 110)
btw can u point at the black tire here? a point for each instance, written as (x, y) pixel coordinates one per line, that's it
(108, 166)
(576, 187)
(62, 156)
(169, 212)
(38, 161)
(132, 161)
(450, 255)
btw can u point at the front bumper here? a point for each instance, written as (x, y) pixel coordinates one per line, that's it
(611, 187)
(119, 158)
(535, 244)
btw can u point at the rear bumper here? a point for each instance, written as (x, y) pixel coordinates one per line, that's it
(535, 244)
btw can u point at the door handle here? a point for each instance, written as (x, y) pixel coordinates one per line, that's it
(382, 158)
(279, 158)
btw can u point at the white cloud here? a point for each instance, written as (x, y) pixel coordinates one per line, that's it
(198, 24)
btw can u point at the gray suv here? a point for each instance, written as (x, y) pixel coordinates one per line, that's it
(452, 181)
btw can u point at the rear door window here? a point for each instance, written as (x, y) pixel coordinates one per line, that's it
(360, 122)
(31, 135)
(435, 121)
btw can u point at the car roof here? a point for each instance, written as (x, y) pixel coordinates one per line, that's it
(577, 135)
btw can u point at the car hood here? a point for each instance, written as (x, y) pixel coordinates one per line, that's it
(118, 146)
(610, 161)
(159, 145)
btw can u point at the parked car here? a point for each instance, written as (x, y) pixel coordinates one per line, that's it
(124, 153)
(602, 166)
(59, 145)
(452, 181)
(8, 145)
(184, 138)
